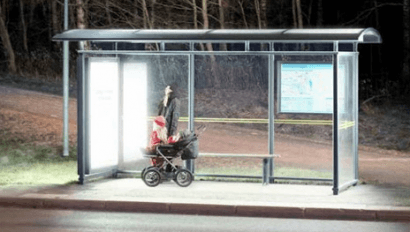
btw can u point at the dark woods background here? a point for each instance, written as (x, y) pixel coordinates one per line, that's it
(27, 26)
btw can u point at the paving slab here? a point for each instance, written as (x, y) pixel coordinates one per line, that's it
(361, 202)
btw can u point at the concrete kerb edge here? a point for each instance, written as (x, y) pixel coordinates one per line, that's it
(209, 209)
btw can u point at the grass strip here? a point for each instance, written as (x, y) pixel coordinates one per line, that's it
(25, 164)
(39, 174)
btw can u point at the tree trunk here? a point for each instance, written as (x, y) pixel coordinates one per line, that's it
(309, 15)
(258, 13)
(295, 22)
(54, 17)
(107, 11)
(23, 25)
(263, 11)
(243, 14)
(209, 45)
(147, 23)
(145, 17)
(81, 23)
(299, 10)
(282, 21)
(222, 21)
(3, 8)
(206, 21)
(80, 14)
(153, 13)
(319, 22)
(195, 10)
(406, 42)
(137, 21)
(194, 7)
(9, 52)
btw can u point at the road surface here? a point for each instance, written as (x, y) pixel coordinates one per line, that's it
(36, 220)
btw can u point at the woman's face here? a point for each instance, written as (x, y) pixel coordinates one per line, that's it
(168, 90)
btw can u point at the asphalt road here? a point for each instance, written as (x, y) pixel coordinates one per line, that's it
(36, 220)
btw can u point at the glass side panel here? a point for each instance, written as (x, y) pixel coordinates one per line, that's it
(231, 100)
(156, 73)
(347, 97)
(303, 116)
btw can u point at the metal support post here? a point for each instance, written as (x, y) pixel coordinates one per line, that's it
(265, 174)
(65, 86)
(80, 119)
(271, 113)
(190, 165)
(335, 128)
(356, 111)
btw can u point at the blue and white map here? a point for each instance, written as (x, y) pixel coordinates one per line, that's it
(306, 88)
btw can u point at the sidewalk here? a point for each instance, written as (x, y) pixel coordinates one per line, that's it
(363, 202)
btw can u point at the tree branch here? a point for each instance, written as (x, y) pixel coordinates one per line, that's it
(368, 12)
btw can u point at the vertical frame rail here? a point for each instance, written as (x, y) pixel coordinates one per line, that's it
(80, 119)
(66, 96)
(335, 124)
(190, 165)
(271, 124)
(120, 111)
(356, 110)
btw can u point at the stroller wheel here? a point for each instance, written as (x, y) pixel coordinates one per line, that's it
(145, 170)
(152, 177)
(183, 177)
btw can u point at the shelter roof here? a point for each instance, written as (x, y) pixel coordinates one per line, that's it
(359, 35)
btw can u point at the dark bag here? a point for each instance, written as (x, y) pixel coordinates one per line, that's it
(191, 151)
(189, 145)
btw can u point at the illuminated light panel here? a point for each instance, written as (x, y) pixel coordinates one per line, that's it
(103, 103)
(135, 110)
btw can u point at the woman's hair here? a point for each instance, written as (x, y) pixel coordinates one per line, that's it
(174, 93)
(162, 132)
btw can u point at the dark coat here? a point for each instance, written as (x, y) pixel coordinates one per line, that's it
(171, 114)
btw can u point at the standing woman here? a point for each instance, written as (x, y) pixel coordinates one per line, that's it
(169, 108)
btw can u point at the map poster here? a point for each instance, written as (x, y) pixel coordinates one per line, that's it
(306, 88)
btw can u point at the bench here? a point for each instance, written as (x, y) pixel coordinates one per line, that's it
(265, 158)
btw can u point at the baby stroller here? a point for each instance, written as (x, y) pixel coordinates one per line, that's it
(186, 148)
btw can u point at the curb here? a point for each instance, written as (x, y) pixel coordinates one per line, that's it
(209, 209)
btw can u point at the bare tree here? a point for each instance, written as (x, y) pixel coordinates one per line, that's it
(195, 11)
(263, 11)
(240, 3)
(153, 13)
(295, 22)
(54, 17)
(5, 38)
(299, 10)
(107, 10)
(145, 16)
(406, 42)
(81, 19)
(206, 21)
(80, 14)
(221, 4)
(23, 26)
(319, 22)
(258, 13)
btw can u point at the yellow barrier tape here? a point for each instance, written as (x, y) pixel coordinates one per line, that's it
(347, 124)
(344, 125)
(256, 120)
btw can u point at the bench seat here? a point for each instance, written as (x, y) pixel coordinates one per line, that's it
(265, 158)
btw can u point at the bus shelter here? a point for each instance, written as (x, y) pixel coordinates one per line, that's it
(257, 84)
